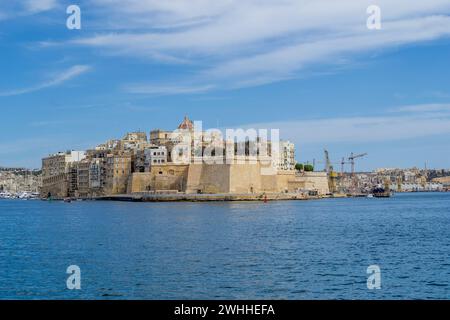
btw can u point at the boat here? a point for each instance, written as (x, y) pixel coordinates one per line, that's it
(68, 200)
(381, 193)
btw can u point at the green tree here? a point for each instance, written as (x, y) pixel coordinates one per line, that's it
(299, 166)
(308, 167)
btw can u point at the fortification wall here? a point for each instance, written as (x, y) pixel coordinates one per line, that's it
(245, 178)
(208, 178)
(160, 177)
(283, 177)
(223, 178)
(310, 181)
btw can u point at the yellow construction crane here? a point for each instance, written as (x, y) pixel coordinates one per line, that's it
(332, 175)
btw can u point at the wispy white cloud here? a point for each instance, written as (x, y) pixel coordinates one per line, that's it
(35, 6)
(415, 121)
(166, 90)
(236, 43)
(17, 8)
(432, 107)
(57, 79)
(288, 60)
(438, 94)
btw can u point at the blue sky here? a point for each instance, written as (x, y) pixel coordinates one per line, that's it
(310, 68)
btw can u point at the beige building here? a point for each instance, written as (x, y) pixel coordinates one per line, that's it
(134, 141)
(83, 186)
(160, 137)
(58, 178)
(117, 171)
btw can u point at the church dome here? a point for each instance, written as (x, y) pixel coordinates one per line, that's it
(187, 124)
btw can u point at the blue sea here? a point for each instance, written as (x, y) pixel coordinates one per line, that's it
(317, 249)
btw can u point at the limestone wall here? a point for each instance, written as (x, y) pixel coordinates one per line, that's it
(310, 181)
(283, 178)
(223, 178)
(160, 177)
(236, 178)
(208, 178)
(245, 178)
(269, 183)
(139, 182)
(56, 186)
(443, 180)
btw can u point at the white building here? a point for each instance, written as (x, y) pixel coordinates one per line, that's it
(75, 156)
(286, 156)
(95, 173)
(155, 156)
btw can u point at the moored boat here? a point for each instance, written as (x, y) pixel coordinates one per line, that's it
(381, 193)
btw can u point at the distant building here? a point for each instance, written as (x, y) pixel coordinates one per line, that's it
(83, 173)
(135, 136)
(108, 145)
(184, 135)
(160, 137)
(59, 163)
(155, 156)
(134, 141)
(97, 177)
(118, 170)
(286, 159)
(59, 177)
(18, 180)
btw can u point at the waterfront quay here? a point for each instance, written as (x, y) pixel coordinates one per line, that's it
(171, 197)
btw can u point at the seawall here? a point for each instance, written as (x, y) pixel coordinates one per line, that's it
(207, 197)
